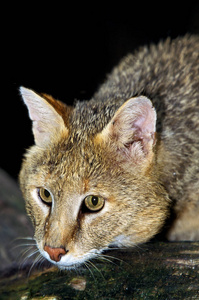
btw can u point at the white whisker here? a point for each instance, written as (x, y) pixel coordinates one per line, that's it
(36, 261)
(106, 259)
(42, 260)
(25, 260)
(25, 252)
(94, 266)
(87, 266)
(109, 259)
(30, 255)
(23, 245)
(116, 248)
(25, 238)
(109, 256)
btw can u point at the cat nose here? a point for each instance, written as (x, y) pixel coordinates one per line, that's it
(55, 253)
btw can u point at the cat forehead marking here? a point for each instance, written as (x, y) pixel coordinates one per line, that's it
(85, 185)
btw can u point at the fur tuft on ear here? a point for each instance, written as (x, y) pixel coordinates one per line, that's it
(47, 122)
(132, 129)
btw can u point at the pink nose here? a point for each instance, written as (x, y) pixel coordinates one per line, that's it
(55, 253)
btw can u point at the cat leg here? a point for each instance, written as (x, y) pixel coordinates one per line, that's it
(186, 225)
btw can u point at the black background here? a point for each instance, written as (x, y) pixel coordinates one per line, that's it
(66, 51)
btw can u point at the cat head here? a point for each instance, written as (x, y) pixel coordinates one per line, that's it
(89, 181)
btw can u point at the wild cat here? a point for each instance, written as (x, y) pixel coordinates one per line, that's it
(111, 170)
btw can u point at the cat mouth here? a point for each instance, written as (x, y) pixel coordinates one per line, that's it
(72, 266)
(66, 266)
(69, 262)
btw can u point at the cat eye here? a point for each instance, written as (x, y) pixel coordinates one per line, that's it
(45, 195)
(94, 203)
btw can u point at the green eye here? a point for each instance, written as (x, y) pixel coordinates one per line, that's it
(94, 203)
(45, 195)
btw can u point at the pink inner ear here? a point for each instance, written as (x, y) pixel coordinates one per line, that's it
(145, 121)
(47, 122)
(34, 114)
(134, 127)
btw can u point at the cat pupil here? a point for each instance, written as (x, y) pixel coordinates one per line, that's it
(94, 201)
(46, 193)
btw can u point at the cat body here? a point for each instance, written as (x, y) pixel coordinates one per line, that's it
(110, 171)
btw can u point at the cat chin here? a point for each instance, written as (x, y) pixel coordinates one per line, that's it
(71, 267)
(69, 261)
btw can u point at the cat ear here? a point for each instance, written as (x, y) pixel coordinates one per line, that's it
(131, 132)
(47, 122)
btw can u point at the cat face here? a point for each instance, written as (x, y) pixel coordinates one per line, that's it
(86, 192)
